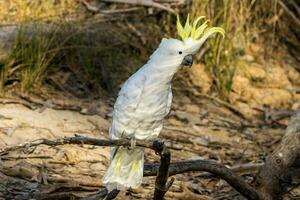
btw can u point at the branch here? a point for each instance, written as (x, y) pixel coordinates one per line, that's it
(161, 185)
(89, 7)
(149, 3)
(94, 9)
(220, 170)
(75, 140)
(112, 195)
(289, 12)
(161, 170)
(17, 101)
(279, 163)
(297, 8)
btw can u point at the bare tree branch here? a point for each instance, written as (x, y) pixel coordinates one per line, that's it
(161, 185)
(149, 3)
(289, 12)
(75, 140)
(278, 164)
(220, 170)
(155, 169)
(112, 195)
(94, 9)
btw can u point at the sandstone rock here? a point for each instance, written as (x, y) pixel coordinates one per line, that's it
(296, 106)
(293, 75)
(265, 84)
(276, 77)
(256, 72)
(248, 58)
(192, 108)
(255, 48)
(272, 97)
(200, 78)
(246, 109)
(240, 84)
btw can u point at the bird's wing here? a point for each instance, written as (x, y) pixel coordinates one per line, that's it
(126, 104)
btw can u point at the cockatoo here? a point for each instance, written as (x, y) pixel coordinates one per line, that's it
(145, 100)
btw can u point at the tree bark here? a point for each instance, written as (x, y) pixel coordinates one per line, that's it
(278, 164)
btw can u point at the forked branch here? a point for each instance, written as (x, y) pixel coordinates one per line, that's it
(280, 162)
(161, 170)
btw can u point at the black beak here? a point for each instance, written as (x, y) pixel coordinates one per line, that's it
(188, 60)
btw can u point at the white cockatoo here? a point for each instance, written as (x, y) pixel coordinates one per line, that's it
(145, 100)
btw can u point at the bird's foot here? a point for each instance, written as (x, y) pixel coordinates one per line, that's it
(158, 146)
(132, 143)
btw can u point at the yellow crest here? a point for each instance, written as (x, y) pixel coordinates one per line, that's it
(192, 30)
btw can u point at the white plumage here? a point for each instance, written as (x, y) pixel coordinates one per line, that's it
(142, 104)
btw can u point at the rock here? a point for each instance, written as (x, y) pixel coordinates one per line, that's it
(248, 58)
(293, 75)
(200, 78)
(255, 96)
(271, 97)
(255, 48)
(186, 117)
(240, 84)
(200, 140)
(246, 110)
(261, 85)
(296, 106)
(256, 73)
(175, 122)
(192, 108)
(7, 37)
(276, 77)
(71, 81)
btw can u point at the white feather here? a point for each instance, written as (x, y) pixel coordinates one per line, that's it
(143, 102)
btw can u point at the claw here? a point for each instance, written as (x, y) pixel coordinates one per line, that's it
(132, 143)
(158, 146)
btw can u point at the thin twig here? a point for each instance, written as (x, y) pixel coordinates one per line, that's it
(247, 168)
(230, 107)
(17, 101)
(49, 103)
(149, 3)
(220, 170)
(296, 6)
(75, 140)
(89, 7)
(118, 11)
(289, 12)
(25, 157)
(153, 169)
(94, 9)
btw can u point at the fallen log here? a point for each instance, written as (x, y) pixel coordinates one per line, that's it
(272, 174)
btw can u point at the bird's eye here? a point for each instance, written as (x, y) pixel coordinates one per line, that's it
(180, 52)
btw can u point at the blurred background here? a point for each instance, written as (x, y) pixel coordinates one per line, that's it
(62, 63)
(101, 43)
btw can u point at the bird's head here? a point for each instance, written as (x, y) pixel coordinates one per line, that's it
(180, 52)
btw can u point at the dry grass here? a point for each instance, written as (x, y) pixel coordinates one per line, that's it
(105, 54)
(16, 11)
(31, 55)
(108, 52)
(243, 21)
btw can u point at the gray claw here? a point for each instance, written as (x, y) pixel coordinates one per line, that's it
(132, 143)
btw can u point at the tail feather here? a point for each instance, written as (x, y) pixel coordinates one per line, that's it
(125, 170)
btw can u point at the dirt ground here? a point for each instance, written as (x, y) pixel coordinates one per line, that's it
(199, 126)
